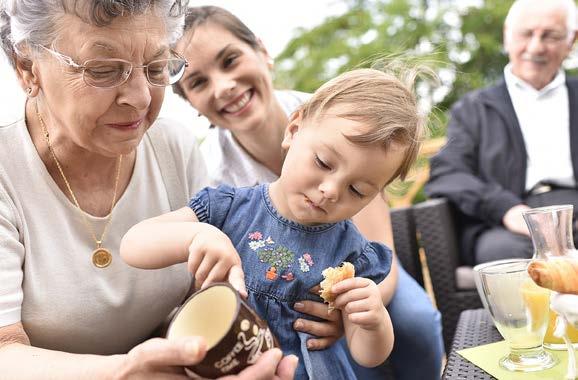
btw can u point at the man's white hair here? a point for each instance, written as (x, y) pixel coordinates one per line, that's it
(569, 5)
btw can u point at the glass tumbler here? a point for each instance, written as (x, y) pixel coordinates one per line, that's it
(520, 310)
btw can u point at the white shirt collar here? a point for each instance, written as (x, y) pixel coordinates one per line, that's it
(512, 81)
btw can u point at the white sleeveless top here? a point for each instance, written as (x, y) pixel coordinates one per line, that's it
(229, 163)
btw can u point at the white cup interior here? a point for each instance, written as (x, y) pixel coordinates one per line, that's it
(209, 314)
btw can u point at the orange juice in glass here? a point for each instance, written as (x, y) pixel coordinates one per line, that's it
(553, 343)
(537, 304)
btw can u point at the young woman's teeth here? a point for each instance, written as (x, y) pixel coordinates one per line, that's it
(232, 108)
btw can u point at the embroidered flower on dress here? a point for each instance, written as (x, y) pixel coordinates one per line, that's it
(271, 274)
(305, 262)
(256, 235)
(255, 245)
(303, 265)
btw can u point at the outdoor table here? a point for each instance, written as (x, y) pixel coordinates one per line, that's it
(475, 327)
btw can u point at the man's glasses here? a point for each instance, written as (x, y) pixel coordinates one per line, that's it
(113, 72)
(549, 37)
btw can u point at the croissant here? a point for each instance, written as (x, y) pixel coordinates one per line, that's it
(331, 277)
(560, 275)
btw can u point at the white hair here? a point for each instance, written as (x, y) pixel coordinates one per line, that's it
(519, 5)
(35, 22)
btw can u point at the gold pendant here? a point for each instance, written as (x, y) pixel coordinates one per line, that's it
(101, 257)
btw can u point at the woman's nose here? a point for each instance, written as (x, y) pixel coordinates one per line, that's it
(136, 91)
(224, 86)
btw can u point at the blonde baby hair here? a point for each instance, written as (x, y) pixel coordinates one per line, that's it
(383, 101)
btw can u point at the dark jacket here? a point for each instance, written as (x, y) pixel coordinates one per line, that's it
(482, 168)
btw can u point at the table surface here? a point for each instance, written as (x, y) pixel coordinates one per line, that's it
(475, 327)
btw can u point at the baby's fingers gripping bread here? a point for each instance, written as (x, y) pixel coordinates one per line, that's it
(331, 277)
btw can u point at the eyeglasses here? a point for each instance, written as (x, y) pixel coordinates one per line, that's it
(548, 37)
(113, 72)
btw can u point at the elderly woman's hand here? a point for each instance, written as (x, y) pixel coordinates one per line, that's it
(160, 358)
(327, 332)
(270, 366)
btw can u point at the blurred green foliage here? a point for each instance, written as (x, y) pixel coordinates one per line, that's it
(463, 44)
(461, 40)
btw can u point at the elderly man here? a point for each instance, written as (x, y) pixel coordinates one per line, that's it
(514, 145)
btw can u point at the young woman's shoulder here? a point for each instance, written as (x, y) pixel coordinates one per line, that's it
(290, 100)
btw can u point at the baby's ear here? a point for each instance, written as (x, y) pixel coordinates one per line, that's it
(293, 127)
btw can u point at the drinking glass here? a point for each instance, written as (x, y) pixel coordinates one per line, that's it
(520, 311)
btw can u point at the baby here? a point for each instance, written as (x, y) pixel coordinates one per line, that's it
(355, 135)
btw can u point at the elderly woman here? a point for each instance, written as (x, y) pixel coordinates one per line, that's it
(229, 81)
(88, 161)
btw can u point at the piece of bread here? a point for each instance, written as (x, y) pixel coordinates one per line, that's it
(332, 276)
(559, 275)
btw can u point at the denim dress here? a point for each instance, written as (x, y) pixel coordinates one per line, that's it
(282, 260)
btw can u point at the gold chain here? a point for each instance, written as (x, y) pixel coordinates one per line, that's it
(82, 213)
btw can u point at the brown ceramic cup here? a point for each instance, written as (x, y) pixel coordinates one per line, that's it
(234, 334)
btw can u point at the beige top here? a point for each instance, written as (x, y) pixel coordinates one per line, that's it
(47, 279)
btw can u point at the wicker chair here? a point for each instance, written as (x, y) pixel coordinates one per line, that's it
(434, 222)
(405, 241)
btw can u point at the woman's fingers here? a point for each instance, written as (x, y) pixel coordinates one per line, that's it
(286, 368)
(164, 356)
(316, 309)
(270, 366)
(167, 376)
(315, 290)
(320, 329)
(316, 344)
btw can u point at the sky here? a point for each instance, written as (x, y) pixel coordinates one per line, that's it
(275, 22)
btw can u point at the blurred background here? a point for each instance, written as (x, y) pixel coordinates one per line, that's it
(313, 40)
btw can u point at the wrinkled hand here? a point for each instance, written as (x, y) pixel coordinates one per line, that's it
(514, 221)
(328, 331)
(271, 365)
(163, 359)
(359, 299)
(160, 358)
(213, 258)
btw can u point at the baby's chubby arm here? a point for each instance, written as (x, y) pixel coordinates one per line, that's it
(366, 322)
(177, 237)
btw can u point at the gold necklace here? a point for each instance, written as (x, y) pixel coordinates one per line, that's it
(101, 257)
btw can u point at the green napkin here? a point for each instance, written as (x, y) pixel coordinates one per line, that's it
(487, 356)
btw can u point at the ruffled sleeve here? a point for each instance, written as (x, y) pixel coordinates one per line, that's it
(374, 262)
(212, 205)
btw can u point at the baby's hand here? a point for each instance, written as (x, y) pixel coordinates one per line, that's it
(213, 258)
(360, 302)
